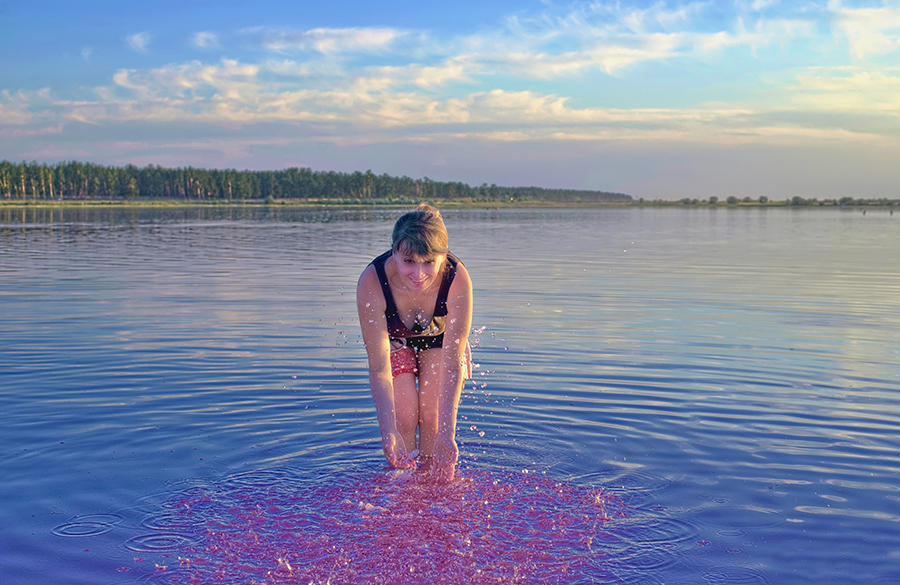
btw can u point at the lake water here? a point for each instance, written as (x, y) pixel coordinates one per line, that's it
(663, 396)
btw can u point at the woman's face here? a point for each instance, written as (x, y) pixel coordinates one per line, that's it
(417, 272)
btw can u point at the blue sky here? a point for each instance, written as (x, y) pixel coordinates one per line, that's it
(654, 99)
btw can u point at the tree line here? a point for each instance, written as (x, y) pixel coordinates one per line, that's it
(73, 181)
(795, 201)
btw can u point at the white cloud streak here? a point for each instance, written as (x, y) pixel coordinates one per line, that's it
(327, 41)
(139, 42)
(206, 40)
(870, 31)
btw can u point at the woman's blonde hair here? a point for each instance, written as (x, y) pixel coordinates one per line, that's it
(420, 232)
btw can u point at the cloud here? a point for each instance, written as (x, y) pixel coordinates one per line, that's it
(206, 40)
(384, 105)
(16, 107)
(19, 133)
(54, 152)
(328, 41)
(848, 90)
(761, 5)
(411, 88)
(870, 31)
(614, 38)
(139, 41)
(444, 73)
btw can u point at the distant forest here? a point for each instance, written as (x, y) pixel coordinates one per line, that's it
(73, 181)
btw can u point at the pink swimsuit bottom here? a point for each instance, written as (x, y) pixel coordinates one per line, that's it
(404, 361)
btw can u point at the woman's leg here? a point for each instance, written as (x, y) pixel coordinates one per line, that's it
(437, 449)
(429, 387)
(404, 365)
(406, 408)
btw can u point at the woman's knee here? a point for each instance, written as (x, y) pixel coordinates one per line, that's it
(428, 415)
(406, 404)
(407, 421)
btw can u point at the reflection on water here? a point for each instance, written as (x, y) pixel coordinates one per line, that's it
(663, 396)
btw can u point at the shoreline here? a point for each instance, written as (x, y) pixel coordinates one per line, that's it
(441, 204)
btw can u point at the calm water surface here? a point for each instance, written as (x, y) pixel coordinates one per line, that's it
(663, 396)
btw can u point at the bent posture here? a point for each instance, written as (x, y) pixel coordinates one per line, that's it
(415, 310)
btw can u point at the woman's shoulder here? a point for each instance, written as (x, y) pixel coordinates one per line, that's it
(369, 277)
(368, 290)
(461, 279)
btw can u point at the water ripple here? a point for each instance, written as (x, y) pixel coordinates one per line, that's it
(158, 542)
(727, 575)
(731, 380)
(736, 517)
(88, 525)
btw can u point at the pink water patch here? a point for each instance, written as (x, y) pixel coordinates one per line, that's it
(484, 527)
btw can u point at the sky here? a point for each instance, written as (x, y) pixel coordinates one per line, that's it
(659, 100)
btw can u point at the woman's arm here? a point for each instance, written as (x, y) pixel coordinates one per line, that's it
(454, 364)
(371, 306)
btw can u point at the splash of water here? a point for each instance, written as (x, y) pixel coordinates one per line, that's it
(399, 527)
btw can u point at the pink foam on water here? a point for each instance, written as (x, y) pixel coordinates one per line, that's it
(484, 527)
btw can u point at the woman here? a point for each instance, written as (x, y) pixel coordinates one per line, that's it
(415, 310)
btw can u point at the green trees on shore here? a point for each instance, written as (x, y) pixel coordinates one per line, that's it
(69, 181)
(76, 181)
(795, 201)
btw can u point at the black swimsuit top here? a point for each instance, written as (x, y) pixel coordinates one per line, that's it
(419, 337)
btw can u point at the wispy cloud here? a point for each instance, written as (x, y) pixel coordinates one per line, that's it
(327, 41)
(760, 5)
(871, 31)
(19, 133)
(613, 38)
(849, 90)
(453, 70)
(15, 107)
(139, 42)
(206, 40)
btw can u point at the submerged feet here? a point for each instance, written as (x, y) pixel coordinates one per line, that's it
(426, 467)
(441, 466)
(395, 452)
(430, 469)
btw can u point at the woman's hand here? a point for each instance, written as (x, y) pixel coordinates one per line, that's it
(395, 451)
(446, 454)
